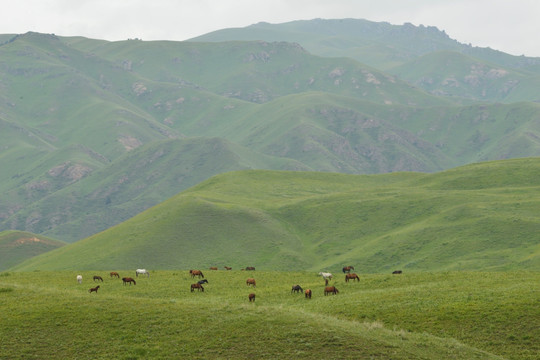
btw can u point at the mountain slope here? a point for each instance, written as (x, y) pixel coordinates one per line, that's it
(315, 221)
(17, 246)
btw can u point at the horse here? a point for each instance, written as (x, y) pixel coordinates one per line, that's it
(250, 268)
(197, 286)
(251, 281)
(228, 268)
(308, 293)
(347, 269)
(142, 272)
(95, 289)
(115, 274)
(351, 276)
(397, 272)
(326, 275)
(297, 288)
(129, 280)
(213, 268)
(251, 297)
(79, 279)
(203, 281)
(96, 277)
(330, 289)
(196, 273)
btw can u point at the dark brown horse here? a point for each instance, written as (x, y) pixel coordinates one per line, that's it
(308, 293)
(115, 274)
(397, 272)
(129, 280)
(352, 276)
(251, 297)
(213, 268)
(196, 273)
(330, 290)
(228, 268)
(251, 281)
(197, 286)
(297, 289)
(250, 268)
(96, 277)
(95, 289)
(347, 269)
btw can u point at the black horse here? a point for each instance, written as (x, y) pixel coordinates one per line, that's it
(297, 288)
(204, 281)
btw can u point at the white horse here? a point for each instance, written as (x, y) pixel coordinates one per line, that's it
(79, 279)
(142, 272)
(326, 275)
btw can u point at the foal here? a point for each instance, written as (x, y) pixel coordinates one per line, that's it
(95, 289)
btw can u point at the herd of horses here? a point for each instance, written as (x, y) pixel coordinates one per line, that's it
(328, 290)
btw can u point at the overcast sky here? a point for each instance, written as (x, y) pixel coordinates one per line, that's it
(512, 26)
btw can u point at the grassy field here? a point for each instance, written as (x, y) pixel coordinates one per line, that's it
(423, 315)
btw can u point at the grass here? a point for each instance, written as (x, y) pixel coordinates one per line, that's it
(458, 315)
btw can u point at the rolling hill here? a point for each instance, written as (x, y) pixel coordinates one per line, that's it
(93, 132)
(17, 246)
(478, 217)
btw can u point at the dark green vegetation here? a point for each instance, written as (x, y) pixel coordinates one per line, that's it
(94, 132)
(484, 216)
(446, 315)
(17, 246)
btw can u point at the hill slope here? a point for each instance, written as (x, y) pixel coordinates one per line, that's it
(17, 246)
(479, 217)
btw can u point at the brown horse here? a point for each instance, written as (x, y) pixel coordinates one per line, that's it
(196, 273)
(251, 281)
(129, 280)
(95, 289)
(352, 276)
(96, 277)
(397, 272)
(213, 268)
(347, 269)
(250, 268)
(308, 293)
(115, 274)
(197, 286)
(330, 289)
(228, 268)
(251, 297)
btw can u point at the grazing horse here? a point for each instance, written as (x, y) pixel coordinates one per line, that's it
(203, 281)
(397, 272)
(308, 293)
(251, 281)
(115, 274)
(250, 268)
(352, 276)
(197, 286)
(326, 275)
(330, 289)
(347, 269)
(213, 268)
(297, 288)
(95, 289)
(228, 268)
(96, 277)
(251, 297)
(196, 273)
(129, 280)
(79, 279)
(142, 272)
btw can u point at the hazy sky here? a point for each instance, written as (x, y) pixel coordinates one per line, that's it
(512, 26)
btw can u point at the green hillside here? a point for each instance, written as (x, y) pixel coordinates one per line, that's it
(17, 246)
(478, 217)
(446, 315)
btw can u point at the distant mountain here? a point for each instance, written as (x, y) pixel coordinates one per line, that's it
(478, 217)
(17, 246)
(93, 132)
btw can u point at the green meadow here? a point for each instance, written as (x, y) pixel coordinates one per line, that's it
(417, 315)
